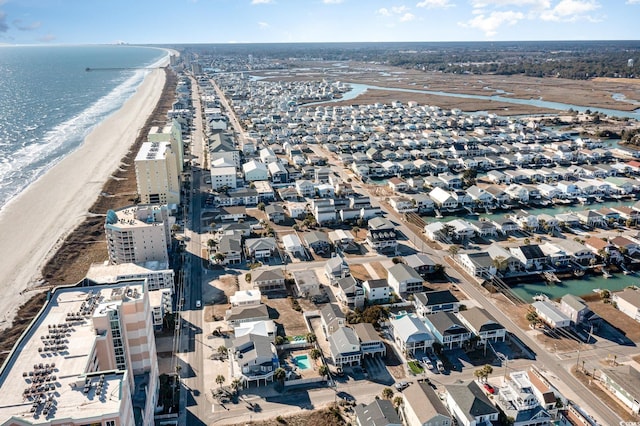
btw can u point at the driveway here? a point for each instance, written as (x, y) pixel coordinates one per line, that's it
(377, 371)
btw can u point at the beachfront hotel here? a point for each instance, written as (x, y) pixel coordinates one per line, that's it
(171, 133)
(138, 234)
(157, 176)
(88, 358)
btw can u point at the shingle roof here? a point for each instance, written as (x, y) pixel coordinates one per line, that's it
(424, 402)
(472, 400)
(431, 298)
(379, 413)
(402, 272)
(480, 319)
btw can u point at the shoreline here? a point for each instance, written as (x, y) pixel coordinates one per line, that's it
(53, 205)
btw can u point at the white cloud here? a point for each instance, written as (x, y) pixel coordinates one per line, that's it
(332, 1)
(383, 11)
(538, 4)
(399, 9)
(261, 1)
(633, 1)
(263, 25)
(407, 17)
(489, 24)
(570, 10)
(435, 4)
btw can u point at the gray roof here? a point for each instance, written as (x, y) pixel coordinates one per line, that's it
(366, 332)
(380, 283)
(247, 312)
(418, 260)
(446, 323)
(472, 400)
(630, 295)
(481, 259)
(574, 302)
(402, 272)
(330, 312)
(378, 223)
(273, 209)
(260, 243)
(315, 236)
(252, 346)
(424, 402)
(431, 298)
(268, 274)
(626, 377)
(344, 341)
(379, 413)
(480, 319)
(347, 283)
(229, 243)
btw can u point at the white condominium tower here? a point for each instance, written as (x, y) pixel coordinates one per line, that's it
(138, 234)
(157, 176)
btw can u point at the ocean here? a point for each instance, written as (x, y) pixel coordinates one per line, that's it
(49, 102)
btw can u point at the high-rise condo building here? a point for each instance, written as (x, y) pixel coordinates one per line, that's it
(138, 234)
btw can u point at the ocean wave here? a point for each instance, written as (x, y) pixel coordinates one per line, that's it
(23, 166)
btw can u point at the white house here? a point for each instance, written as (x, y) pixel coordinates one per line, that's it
(404, 279)
(628, 302)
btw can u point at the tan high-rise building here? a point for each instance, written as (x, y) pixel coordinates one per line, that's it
(138, 234)
(171, 133)
(89, 357)
(157, 176)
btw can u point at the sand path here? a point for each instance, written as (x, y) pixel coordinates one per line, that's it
(33, 224)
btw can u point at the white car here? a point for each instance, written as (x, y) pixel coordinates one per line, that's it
(427, 363)
(198, 304)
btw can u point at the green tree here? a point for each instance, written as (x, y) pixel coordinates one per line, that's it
(453, 249)
(279, 340)
(387, 393)
(261, 206)
(532, 318)
(323, 371)
(219, 257)
(315, 353)
(311, 337)
(220, 379)
(236, 385)
(222, 350)
(397, 402)
(279, 375)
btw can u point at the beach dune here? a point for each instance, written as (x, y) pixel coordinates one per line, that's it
(35, 222)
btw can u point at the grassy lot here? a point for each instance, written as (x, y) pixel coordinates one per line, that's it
(326, 417)
(359, 272)
(282, 313)
(415, 367)
(629, 327)
(380, 270)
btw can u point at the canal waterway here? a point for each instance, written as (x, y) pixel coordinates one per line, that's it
(578, 287)
(358, 89)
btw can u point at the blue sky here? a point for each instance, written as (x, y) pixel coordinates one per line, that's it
(254, 21)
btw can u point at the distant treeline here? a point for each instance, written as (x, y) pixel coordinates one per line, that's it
(565, 59)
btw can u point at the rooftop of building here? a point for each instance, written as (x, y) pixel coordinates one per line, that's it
(52, 360)
(138, 216)
(153, 151)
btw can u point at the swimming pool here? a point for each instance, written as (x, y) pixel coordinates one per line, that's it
(302, 362)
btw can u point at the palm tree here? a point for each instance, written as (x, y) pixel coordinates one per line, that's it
(236, 385)
(397, 402)
(218, 257)
(486, 371)
(220, 379)
(500, 262)
(323, 371)
(387, 393)
(314, 354)
(311, 338)
(453, 249)
(279, 375)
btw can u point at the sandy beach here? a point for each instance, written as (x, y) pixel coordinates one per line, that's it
(34, 223)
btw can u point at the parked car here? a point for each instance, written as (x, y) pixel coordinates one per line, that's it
(440, 366)
(427, 363)
(402, 386)
(489, 388)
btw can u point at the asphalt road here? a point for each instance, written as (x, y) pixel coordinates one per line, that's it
(549, 362)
